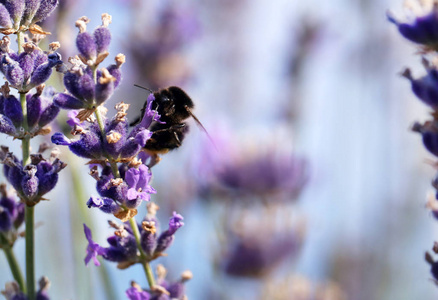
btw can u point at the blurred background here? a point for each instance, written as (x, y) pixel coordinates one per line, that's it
(314, 187)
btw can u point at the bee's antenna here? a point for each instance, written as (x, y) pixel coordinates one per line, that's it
(200, 125)
(142, 87)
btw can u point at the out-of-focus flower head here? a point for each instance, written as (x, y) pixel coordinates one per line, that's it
(236, 169)
(30, 68)
(256, 246)
(164, 289)
(34, 180)
(12, 290)
(22, 15)
(123, 246)
(11, 216)
(433, 263)
(159, 52)
(299, 287)
(421, 24)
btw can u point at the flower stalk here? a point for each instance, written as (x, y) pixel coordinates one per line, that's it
(14, 266)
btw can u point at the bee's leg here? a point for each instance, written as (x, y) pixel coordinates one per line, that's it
(177, 139)
(155, 159)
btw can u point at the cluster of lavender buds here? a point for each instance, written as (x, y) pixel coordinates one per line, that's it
(88, 88)
(123, 247)
(421, 29)
(12, 291)
(165, 290)
(11, 217)
(34, 180)
(22, 15)
(255, 250)
(161, 50)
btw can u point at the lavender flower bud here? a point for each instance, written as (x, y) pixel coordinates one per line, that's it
(106, 205)
(114, 70)
(16, 10)
(48, 115)
(5, 18)
(45, 9)
(86, 88)
(26, 61)
(67, 102)
(5, 220)
(121, 249)
(43, 71)
(6, 126)
(167, 237)
(422, 30)
(116, 137)
(148, 238)
(104, 87)
(13, 73)
(29, 12)
(85, 41)
(88, 145)
(33, 103)
(47, 174)
(29, 183)
(425, 87)
(102, 35)
(12, 110)
(136, 294)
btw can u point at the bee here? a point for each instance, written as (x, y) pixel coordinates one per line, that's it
(174, 106)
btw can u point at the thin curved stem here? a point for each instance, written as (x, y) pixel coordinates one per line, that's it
(147, 268)
(14, 266)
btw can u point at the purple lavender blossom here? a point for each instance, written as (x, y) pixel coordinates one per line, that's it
(11, 214)
(429, 133)
(12, 290)
(134, 294)
(138, 180)
(17, 14)
(31, 68)
(118, 143)
(120, 194)
(83, 91)
(421, 28)
(256, 252)
(34, 180)
(425, 88)
(160, 50)
(93, 249)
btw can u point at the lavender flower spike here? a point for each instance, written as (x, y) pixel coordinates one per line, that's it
(93, 249)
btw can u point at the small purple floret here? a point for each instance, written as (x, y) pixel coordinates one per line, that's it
(175, 222)
(93, 249)
(134, 294)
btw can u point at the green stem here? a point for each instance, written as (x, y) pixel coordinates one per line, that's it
(20, 41)
(30, 253)
(14, 266)
(29, 210)
(146, 266)
(26, 140)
